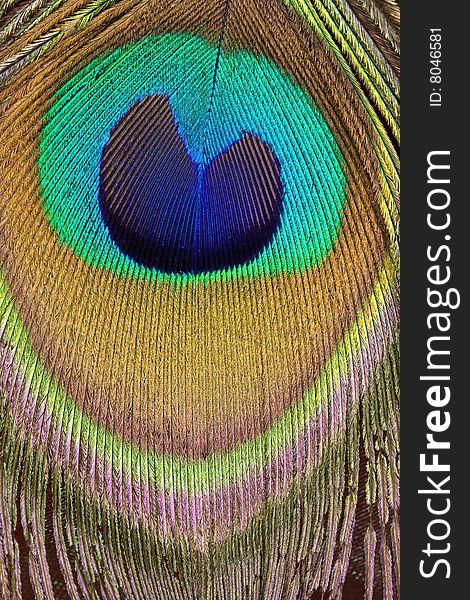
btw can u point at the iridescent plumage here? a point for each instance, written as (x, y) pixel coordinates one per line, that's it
(199, 314)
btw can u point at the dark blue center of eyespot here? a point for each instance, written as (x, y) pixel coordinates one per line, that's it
(169, 213)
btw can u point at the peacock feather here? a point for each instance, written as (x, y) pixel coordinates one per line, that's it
(199, 299)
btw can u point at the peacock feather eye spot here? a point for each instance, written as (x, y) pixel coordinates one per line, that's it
(199, 292)
(166, 211)
(140, 166)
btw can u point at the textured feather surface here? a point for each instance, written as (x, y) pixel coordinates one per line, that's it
(199, 299)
